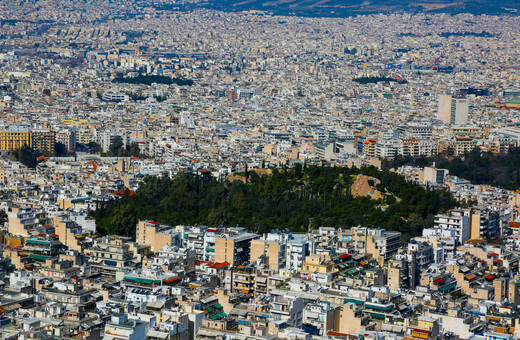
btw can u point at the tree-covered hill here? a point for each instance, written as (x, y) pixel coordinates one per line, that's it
(290, 198)
(150, 79)
(501, 170)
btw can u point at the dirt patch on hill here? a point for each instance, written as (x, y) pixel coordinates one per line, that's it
(240, 176)
(365, 186)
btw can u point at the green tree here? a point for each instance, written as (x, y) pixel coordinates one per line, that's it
(115, 145)
(27, 156)
(60, 149)
(285, 199)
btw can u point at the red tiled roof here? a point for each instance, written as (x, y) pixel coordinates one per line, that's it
(421, 331)
(344, 256)
(122, 192)
(439, 280)
(172, 279)
(332, 333)
(490, 277)
(493, 254)
(515, 225)
(218, 265)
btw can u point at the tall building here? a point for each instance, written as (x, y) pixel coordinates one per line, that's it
(484, 223)
(157, 235)
(43, 140)
(434, 175)
(453, 109)
(14, 140)
(456, 223)
(21, 221)
(68, 138)
(234, 246)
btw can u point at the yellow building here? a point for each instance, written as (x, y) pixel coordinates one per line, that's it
(369, 148)
(318, 264)
(14, 140)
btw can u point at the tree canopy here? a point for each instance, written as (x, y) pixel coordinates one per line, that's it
(290, 198)
(27, 156)
(117, 148)
(150, 79)
(479, 167)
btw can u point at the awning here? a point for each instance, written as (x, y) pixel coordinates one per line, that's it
(447, 287)
(157, 334)
(238, 312)
(357, 302)
(377, 316)
(176, 278)
(39, 257)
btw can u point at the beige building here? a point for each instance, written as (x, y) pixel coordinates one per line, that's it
(234, 246)
(155, 235)
(350, 319)
(453, 109)
(271, 250)
(21, 220)
(69, 233)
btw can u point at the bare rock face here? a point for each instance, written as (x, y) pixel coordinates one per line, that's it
(239, 176)
(362, 187)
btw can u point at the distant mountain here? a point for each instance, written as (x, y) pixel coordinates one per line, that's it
(343, 8)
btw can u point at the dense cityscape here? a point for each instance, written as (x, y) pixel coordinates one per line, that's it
(173, 171)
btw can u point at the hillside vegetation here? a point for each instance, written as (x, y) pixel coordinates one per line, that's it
(501, 170)
(291, 198)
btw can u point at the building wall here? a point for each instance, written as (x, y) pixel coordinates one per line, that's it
(44, 140)
(257, 249)
(394, 278)
(474, 229)
(14, 140)
(147, 234)
(270, 249)
(444, 109)
(224, 250)
(346, 321)
(65, 235)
